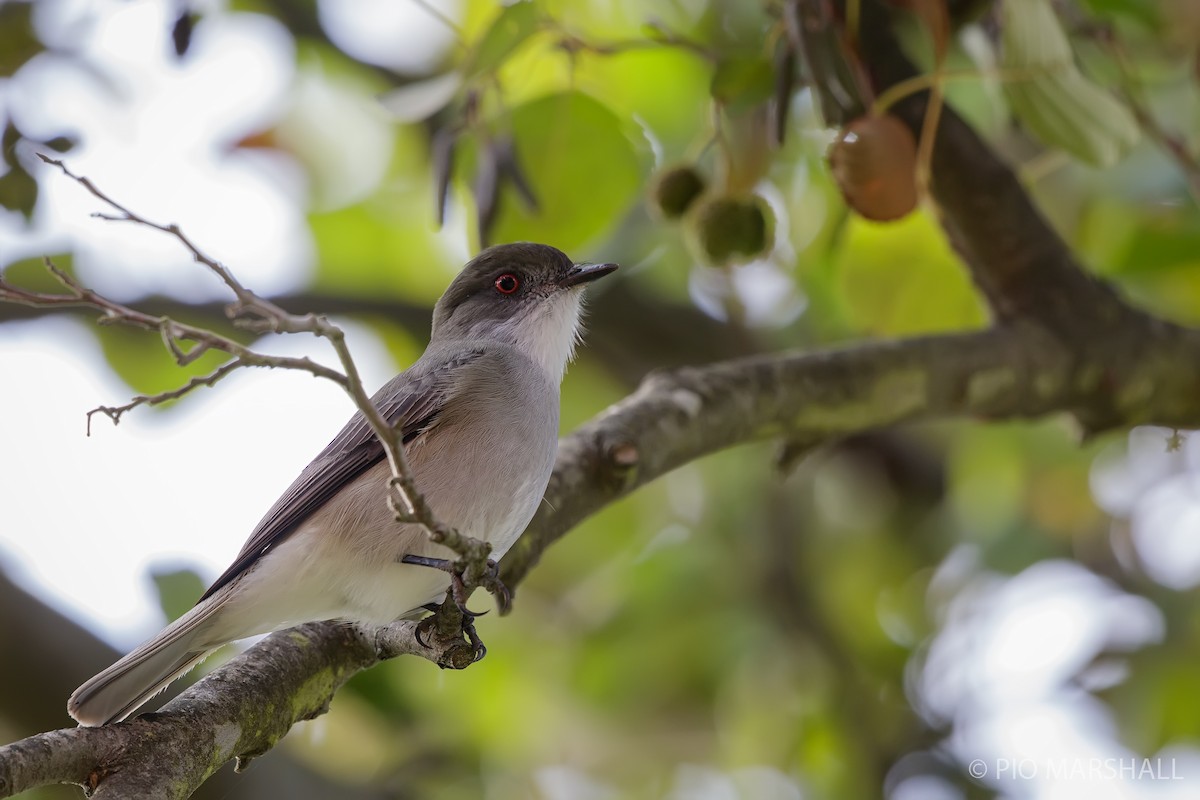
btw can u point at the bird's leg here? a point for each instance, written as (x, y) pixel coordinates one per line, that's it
(489, 579)
(458, 588)
(432, 608)
(477, 645)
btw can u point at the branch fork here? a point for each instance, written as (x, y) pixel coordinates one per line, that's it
(254, 314)
(1077, 326)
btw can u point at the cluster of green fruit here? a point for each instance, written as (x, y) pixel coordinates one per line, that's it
(728, 229)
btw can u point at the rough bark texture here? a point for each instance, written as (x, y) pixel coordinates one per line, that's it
(245, 707)
(1064, 342)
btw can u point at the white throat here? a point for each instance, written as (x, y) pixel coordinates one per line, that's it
(547, 333)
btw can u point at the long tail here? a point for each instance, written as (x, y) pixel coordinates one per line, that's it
(119, 690)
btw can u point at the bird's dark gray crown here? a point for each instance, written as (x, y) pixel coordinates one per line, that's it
(536, 266)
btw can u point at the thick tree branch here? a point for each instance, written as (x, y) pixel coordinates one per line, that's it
(1011, 372)
(55, 652)
(290, 675)
(1066, 344)
(243, 708)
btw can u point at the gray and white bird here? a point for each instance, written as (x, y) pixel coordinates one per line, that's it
(478, 413)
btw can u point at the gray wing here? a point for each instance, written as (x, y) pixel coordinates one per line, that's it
(410, 402)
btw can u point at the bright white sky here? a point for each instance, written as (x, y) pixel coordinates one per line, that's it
(105, 509)
(86, 518)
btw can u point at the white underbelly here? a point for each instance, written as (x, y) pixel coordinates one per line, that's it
(344, 561)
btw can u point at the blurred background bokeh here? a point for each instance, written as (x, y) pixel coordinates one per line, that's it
(878, 618)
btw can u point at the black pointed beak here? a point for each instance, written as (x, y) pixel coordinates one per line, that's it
(586, 273)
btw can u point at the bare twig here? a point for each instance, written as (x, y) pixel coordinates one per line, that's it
(172, 332)
(1101, 363)
(245, 297)
(254, 313)
(1013, 371)
(115, 412)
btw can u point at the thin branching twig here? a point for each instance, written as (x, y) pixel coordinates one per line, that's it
(251, 312)
(173, 334)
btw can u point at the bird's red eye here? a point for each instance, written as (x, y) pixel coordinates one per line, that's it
(507, 283)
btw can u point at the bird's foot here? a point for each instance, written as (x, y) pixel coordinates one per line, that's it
(489, 579)
(459, 620)
(461, 625)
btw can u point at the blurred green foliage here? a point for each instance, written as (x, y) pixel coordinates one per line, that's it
(733, 616)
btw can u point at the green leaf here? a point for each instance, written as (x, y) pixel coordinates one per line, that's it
(901, 278)
(31, 273)
(18, 191)
(1070, 112)
(1032, 37)
(582, 167)
(1158, 245)
(386, 246)
(18, 43)
(178, 590)
(512, 26)
(1058, 104)
(377, 250)
(8, 144)
(61, 144)
(742, 83)
(1144, 12)
(139, 358)
(635, 84)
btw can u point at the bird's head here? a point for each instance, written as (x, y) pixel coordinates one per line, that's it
(527, 295)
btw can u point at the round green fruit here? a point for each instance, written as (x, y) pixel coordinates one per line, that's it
(675, 190)
(731, 229)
